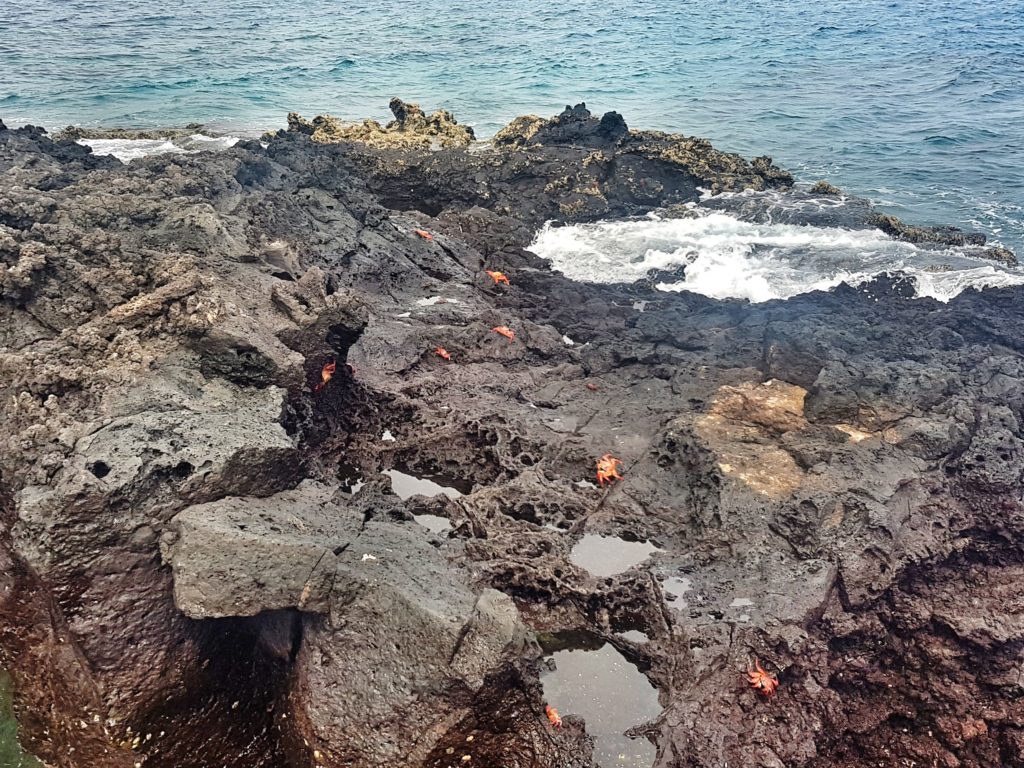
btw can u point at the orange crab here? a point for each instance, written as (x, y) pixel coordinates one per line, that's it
(497, 277)
(505, 331)
(423, 233)
(763, 681)
(325, 375)
(608, 469)
(553, 717)
(442, 352)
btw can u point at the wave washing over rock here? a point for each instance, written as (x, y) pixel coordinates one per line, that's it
(721, 256)
(216, 365)
(127, 150)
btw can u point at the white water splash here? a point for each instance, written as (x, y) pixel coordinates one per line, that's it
(725, 257)
(127, 150)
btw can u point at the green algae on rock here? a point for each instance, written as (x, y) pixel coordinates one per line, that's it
(11, 753)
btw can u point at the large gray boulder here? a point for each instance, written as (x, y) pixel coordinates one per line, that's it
(395, 639)
(242, 555)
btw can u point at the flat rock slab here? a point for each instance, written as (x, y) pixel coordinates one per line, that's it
(243, 555)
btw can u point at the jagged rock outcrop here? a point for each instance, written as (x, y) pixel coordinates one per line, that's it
(411, 128)
(824, 188)
(574, 126)
(383, 610)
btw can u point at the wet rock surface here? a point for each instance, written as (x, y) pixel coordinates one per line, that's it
(75, 133)
(199, 352)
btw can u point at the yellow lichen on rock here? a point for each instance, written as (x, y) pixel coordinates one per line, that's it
(774, 405)
(518, 132)
(742, 427)
(410, 129)
(722, 171)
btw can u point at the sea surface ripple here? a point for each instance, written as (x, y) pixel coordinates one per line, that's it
(917, 104)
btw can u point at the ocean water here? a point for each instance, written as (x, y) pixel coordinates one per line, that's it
(725, 257)
(916, 104)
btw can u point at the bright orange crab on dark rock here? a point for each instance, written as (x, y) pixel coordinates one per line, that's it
(763, 681)
(504, 330)
(608, 469)
(325, 375)
(497, 277)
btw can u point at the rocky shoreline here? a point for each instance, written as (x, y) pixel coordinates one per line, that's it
(208, 360)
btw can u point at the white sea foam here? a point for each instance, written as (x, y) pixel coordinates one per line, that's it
(127, 150)
(199, 142)
(725, 257)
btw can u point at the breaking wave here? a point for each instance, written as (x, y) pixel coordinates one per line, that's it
(127, 150)
(717, 255)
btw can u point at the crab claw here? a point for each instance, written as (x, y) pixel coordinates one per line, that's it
(763, 681)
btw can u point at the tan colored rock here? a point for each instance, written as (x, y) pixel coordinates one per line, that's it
(742, 428)
(724, 171)
(410, 129)
(519, 131)
(774, 405)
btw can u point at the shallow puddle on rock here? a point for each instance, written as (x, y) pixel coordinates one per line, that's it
(11, 754)
(435, 300)
(407, 486)
(634, 636)
(675, 588)
(593, 680)
(434, 523)
(608, 555)
(351, 478)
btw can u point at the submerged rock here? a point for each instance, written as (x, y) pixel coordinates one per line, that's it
(911, 234)
(1000, 254)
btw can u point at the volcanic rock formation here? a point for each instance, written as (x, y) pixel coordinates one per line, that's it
(190, 576)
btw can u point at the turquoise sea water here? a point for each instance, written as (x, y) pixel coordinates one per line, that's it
(918, 104)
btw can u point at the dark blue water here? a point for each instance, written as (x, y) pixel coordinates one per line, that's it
(918, 104)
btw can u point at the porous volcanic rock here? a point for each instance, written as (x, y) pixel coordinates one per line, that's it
(76, 133)
(208, 360)
(411, 128)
